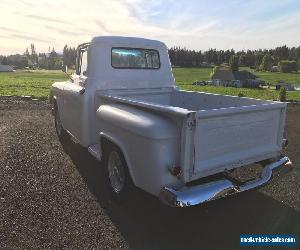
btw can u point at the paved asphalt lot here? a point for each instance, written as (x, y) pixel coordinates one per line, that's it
(53, 197)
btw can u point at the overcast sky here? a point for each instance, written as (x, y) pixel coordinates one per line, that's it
(195, 24)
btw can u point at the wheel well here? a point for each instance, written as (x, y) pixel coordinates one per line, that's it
(106, 143)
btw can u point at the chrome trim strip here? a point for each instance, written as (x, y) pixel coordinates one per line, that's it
(189, 196)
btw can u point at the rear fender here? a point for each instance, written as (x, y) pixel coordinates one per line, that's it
(149, 142)
(121, 146)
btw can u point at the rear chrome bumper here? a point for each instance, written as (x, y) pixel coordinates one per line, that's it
(189, 196)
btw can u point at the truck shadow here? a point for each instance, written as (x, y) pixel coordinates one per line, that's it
(147, 224)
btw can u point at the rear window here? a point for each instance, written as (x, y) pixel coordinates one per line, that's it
(129, 58)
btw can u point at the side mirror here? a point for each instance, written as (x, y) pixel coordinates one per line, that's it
(65, 69)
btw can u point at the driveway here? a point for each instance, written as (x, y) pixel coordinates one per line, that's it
(52, 197)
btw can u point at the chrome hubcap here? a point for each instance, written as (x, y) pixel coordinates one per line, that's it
(116, 172)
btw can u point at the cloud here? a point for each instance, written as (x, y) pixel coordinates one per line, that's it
(57, 30)
(8, 29)
(30, 38)
(196, 24)
(102, 26)
(47, 19)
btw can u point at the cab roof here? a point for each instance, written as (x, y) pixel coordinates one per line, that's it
(127, 41)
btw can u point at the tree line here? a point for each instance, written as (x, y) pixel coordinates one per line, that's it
(32, 60)
(287, 58)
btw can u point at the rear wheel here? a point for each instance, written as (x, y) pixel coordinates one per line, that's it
(118, 179)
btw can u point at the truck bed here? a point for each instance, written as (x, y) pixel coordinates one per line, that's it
(189, 100)
(228, 132)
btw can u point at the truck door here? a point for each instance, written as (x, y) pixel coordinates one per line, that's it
(74, 95)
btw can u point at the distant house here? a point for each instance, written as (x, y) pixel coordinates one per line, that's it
(275, 69)
(6, 68)
(238, 79)
(287, 86)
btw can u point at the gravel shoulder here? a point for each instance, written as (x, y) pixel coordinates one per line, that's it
(52, 197)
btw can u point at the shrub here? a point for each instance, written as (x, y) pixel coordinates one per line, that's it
(282, 94)
(241, 94)
(267, 63)
(287, 66)
(234, 63)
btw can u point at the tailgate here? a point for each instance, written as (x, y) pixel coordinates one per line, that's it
(232, 137)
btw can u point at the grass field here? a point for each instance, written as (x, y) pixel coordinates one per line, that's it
(38, 83)
(35, 83)
(186, 76)
(189, 75)
(274, 77)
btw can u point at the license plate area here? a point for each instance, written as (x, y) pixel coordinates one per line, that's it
(245, 173)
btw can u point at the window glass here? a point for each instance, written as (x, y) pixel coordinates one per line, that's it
(84, 63)
(135, 58)
(81, 62)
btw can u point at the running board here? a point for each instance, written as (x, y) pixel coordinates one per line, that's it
(73, 138)
(95, 151)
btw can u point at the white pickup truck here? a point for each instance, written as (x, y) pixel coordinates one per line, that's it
(124, 106)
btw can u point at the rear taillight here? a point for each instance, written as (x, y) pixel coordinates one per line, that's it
(175, 170)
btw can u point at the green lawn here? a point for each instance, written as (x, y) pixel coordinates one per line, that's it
(189, 75)
(34, 83)
(186, 76)
(37, 83)
(274, 77)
